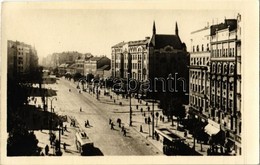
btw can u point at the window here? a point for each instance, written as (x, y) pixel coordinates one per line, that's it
(231, 86)
(224, 85)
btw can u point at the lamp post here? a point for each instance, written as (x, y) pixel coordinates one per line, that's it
(130, 104)
(52, 111)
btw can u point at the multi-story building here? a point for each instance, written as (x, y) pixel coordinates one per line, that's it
(199, 72)
(95, 64)
(151, 58)
(117, 62)
(224, 109)
(21, 58)
(167, 55)
(215, 84)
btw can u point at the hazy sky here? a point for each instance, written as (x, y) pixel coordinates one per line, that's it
(56, 29)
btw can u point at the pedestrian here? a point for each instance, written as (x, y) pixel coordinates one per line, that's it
(85, 124)
(124, 132)
(110, 121)
(119, 122)
(112, 125)
(64, 146)
(46, 149)
(88, 123)
(80, 109)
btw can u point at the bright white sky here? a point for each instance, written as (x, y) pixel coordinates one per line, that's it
(52, 28)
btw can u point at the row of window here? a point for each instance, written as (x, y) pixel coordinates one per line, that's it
(222, 84)
(138, 57)
(198, 88)
(223, 52)
(224, 68)
(197, 75)
(224, 104)
(199, 48)
(199, 61)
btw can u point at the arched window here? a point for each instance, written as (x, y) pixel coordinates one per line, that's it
(225, 69)
(219, 68)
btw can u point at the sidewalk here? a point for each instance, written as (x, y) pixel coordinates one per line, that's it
(68, 138)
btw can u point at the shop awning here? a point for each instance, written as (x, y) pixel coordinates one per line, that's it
(211, 130)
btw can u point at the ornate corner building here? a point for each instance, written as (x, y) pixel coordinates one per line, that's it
(153, 57)
(215, 82)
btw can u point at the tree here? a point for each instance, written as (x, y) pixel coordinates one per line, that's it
(90, 76)
(179, 112)
(20, 141)
(77, 76)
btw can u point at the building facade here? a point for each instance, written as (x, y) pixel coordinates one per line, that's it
(96, 65)
(156, 56)
(215, 84)
(22, 58)
(199, 71)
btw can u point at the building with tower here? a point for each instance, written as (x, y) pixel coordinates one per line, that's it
(152, 58)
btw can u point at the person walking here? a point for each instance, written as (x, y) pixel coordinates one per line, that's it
(88, 123)
(64, 146)
(124, 132)
(80, 109)
(112, 125)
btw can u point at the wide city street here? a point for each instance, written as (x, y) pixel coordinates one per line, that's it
(98, 113)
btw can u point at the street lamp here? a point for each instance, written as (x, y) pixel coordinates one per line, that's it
(52, 111)
(130, 106)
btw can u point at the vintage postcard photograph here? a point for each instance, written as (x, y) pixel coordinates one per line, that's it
(128, 82)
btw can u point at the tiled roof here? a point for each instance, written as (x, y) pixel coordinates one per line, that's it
(139, 42)
(162, 40)
(119, 44)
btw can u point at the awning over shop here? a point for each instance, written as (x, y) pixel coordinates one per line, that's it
(211, 130)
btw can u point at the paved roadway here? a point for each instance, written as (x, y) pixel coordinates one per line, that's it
(110, 142)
